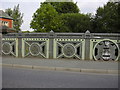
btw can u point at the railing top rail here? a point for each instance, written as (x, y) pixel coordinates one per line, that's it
(63, 35)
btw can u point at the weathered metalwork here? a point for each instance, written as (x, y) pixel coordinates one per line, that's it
(82, 46)
(35, 47)
(106, 50)
(10, 46)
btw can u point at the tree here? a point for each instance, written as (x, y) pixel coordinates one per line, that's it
(106, 19)
(60, 17)
(76, 22)
(17, 17)
(118, 15)
(64, 7)
(49, 16)
(9, 12)
(45, 19)
(26, 31)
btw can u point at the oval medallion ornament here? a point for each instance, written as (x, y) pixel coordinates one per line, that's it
(6, 48)
(69, 50)
(35, 49)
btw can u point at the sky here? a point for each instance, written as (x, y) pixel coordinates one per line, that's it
(28, 7)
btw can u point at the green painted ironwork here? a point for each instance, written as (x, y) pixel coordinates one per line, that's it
(81, 46)
(35, 47)
(10, 46)
(102, 49)
(69, 48)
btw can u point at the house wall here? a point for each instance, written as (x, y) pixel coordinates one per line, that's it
(9, 22)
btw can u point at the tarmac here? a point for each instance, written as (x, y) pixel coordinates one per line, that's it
(74, 65)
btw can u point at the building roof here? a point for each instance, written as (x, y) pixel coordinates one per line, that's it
(4, 15)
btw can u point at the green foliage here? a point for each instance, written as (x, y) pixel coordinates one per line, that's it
(65, 17)
(9, 12)
(54, 16)
(46, 19)
(106, 19)
(118, 17)
(76, 22)
(25, 31)
(17, 17)
(64, 7)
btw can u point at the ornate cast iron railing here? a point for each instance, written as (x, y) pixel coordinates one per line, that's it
(83, 46)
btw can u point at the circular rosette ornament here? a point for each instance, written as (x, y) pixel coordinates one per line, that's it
(6, 48)
(35, 49)
(69, 50)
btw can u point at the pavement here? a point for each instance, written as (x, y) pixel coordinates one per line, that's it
(89, 66)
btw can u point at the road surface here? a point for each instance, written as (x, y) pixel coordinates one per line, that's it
(29, 78)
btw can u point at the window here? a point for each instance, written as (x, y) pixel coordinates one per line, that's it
(4, 23)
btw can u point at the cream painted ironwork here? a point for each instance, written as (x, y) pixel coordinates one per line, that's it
(69, 48)
(10, 46)
(35, 47)
(105, 49)
(83, 46)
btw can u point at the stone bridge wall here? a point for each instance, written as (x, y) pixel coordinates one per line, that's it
(83, 46)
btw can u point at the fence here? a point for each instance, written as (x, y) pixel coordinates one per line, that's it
(83, 46)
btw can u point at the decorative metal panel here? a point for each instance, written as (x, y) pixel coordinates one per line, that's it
(106, 50)
(37, 47)
(10, 46)
(89, 46)
(68, 48)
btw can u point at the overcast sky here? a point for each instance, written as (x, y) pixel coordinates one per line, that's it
(28, 7)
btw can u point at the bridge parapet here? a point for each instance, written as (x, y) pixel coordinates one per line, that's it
(82, 46)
